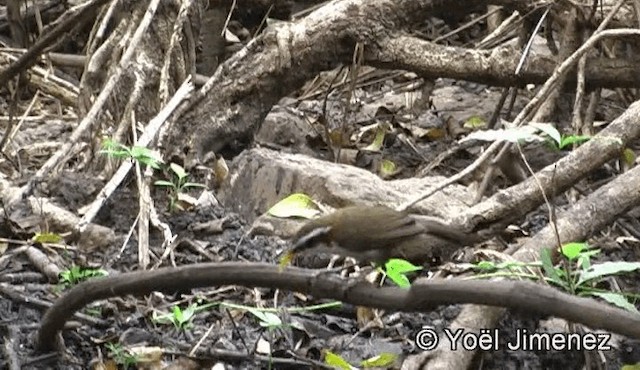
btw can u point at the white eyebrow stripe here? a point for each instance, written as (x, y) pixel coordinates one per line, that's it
(320, 231)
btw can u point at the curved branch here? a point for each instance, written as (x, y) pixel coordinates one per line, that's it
(423, 295)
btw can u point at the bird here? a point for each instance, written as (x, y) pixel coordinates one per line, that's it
(377, 234)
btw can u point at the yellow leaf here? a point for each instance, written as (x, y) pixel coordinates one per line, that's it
(378, 140)
(387, 168)
(46, 238)
(295, 205)
(475, 122)
(336, 361)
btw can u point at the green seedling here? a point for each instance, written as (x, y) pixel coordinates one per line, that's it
(140, 154)
(181, 319)
(575, 273)
(266, 319)
(77, 274)
(540, 132)
(578, 275)
(397, 269)
(121, 356)
(179, 184)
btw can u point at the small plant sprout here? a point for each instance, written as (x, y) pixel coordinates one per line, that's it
(580, 276)
(140, 154)
(76, 274)
(575, 273)
(397, 269)
(181, 319)
(121, 356)
(542, 132)
(178, 185)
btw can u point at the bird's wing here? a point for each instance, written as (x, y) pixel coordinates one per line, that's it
(386, 231)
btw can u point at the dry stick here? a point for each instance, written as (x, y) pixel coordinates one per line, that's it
(96, 38)
(423, 295)
(460, 175)
(488, 175)
(466, 25)
(477, 163)
(551, 208)
(144, 206)
(506, 26)
(176, 36)
(576, 118)
(88, 121)
(527, 48)
(11, 131)
(355, 69)
(49, 37)
(565, 66)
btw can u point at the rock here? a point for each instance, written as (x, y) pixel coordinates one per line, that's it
(261, 177)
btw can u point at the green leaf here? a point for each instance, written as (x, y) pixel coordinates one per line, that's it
(550, 271)
(76, 274)
(178, 170)
(401, 266)
(47, 238)
(616, 299)
(151, 158)
(607, 268)
(295, 205)
(189, 312)
(267, 319)
(485, 266)
(271, 320)
(285, 260)
(177, 313)
(573, 250)
(584, 260)
(573, 139)
(335, 360)
(400, 280)
(109, 143)
(116, 153)
(378, 140)
(475, 122)
(548, 129)
(387, 168)
(384, 359)
(396, 269)
(164, 183)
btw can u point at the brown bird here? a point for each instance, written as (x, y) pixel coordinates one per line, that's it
(378, 233)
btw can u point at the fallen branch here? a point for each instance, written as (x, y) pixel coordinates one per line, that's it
(523, 296)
